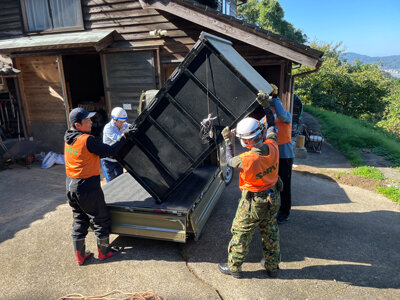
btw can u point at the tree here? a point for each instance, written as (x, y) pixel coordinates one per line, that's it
(358, 90)
(391, 121)
(268, 14)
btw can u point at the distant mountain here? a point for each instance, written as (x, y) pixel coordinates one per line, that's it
(390, 64)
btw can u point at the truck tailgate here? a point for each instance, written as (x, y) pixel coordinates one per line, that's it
(135, 212)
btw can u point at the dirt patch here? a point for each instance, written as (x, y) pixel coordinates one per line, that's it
(341, 177)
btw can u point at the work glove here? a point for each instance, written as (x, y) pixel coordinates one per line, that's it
(131, 130)
(262, 99)
(275, 91)
(226, 134)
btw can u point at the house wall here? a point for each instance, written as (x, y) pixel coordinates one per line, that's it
(135, 61)
(10, 19)
(133, 25)
(126, 75)
(42, 97)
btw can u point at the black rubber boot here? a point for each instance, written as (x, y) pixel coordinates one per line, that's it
(81, 254)
(223, 268)
(105, 250)
(270, 273)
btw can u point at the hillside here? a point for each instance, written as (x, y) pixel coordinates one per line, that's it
(390, 64)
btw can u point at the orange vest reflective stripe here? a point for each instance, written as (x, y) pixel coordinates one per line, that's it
(259, 173)
(79, 162)
(284, 132)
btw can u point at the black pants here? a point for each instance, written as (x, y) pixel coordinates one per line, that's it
(285, 173)
(86, 198)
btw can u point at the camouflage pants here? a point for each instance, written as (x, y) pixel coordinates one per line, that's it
(255, 209)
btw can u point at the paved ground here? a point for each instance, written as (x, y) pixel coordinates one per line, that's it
(331, 159)
(341, 243)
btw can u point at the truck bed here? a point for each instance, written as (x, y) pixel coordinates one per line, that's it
(125, 191)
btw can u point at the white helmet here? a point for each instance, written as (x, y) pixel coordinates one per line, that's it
(249, 129)
(119, 113)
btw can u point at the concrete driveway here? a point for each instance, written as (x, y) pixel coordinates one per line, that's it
(341, 243)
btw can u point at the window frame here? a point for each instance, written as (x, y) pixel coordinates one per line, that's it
(51, 30)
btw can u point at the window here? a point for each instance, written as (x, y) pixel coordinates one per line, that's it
(52, 15)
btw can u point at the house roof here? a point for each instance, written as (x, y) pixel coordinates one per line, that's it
(237, 29)
(99, 39)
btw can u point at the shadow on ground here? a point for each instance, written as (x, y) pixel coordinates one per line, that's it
(27, 195)
(325, 242)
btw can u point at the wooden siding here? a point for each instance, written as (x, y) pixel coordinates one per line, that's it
(133, 25)
(41, 89)
(10, 19)
(125, 76)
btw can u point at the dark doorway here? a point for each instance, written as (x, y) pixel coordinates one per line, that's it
(272, 75)
(10, 118)
(84, 86)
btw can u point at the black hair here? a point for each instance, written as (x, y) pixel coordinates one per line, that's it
(73, 124)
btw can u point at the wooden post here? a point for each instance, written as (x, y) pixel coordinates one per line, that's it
(21, 112)
(64, 93)
(24, 102)
(106, 84)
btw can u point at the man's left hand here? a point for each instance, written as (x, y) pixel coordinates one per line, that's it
(262, 99)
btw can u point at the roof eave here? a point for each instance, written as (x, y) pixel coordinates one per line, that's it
(105, 38)
(240, 32)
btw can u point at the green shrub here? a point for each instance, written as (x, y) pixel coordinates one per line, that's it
(390, 192)
(368, 172)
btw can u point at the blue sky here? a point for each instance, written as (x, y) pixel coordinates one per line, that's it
(365, 27)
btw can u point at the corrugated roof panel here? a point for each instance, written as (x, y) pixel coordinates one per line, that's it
(62, 40)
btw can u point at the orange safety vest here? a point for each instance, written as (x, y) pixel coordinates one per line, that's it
(284, 132)
(259, 172)
(79, 162)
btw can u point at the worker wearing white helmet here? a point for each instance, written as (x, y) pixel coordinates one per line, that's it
(260, 185)
(112, 132)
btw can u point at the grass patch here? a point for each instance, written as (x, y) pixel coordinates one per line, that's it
(390, 192)
(350, 135)
(368, 172)
(340, 174)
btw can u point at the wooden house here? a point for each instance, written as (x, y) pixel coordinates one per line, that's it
(99, 54)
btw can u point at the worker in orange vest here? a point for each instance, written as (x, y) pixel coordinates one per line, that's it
(82, 164)
(283, 120)
(260, 185)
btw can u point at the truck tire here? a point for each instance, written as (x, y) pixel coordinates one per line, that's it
(227, 175)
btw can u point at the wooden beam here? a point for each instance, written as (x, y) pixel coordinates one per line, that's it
(111, 7)
(229, 30)
(21, 108)
(113, 23)
(114, 15)
(66, 99)
(101, 2)
(24, 100)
